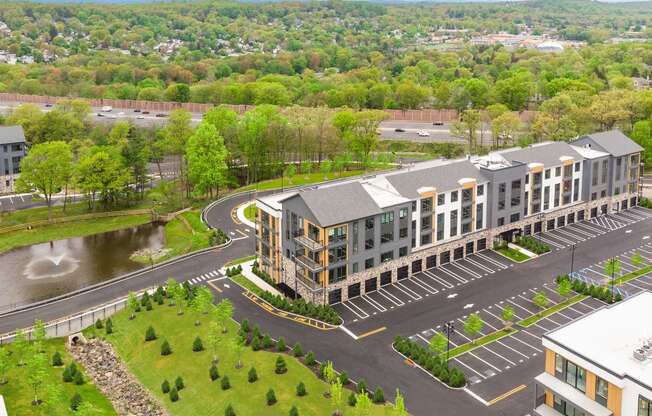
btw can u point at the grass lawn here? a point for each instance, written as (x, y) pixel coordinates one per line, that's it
(18, 395)
(633, 275)
(66, 230)
(487, 339)
(512, 254)
(240, 260)
(247, 284)
(298, 179)
(532, 319)
(180, 239)
(250, 212)
(201, 396)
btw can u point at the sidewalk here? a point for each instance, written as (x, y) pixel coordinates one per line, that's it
(241, 215)
(249, 274)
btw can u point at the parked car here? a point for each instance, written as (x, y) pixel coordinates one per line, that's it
(107, 108)
(399, 130)
(121, 113)
(423, 133)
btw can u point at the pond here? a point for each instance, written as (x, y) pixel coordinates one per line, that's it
(41, 271)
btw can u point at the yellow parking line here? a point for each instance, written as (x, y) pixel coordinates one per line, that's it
(506, 395)
(214, 287)
(375, 331)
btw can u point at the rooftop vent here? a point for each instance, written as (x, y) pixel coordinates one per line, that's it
(643, 352)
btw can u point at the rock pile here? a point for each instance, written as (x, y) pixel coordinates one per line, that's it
(113, 379)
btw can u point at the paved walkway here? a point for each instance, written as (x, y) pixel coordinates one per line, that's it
(241, 215)
(249, 274)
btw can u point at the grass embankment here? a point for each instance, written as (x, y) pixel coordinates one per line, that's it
(512, 254)
(235, 262)
(250, 212)
(201, 396)
(486, 339)
(183, 234)
(299, 179)
(47, 233)
(18, 395)
(247, 284)
(533, 319)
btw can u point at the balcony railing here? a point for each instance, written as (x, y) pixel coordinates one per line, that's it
(309, 263)
(309, 243)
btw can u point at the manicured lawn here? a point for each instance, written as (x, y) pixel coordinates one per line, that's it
(180, 239)
(487, 339)
(250, 212)
(298, 179)
(532, 319)
(18, 395)
(235, 262)
(512, 254)
(633, 275)
(247, 284)
(201, 396)
(68, 230)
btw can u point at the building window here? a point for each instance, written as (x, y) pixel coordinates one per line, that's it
(337, 254)
(426, 223)
(414, 206)
(619, 166)
(426, 205)
(480, 190)
(402, 213)
(644, 408)
(403, 232)
(453, 223)
(387, 217)
(402, 252)
(594, 196)
(369, 243)
(336, 274)
(558, 171)
(576, 189)
(427, 238)
(601, 391)
(557, 195)
(454, 196)
(516, 193)
(577, 166)
(355, 237)
(570, 373)
(466, 228)
(354, 268)
(547, 174)
(514, 217)
(386, 237)
(502, 188)
(386, 256)
(467, 195)
(369, 263)
(603, 193)
(479, 216)
(337, 234)
(501, 221)
(594, 174)
(440, 226)
(441, 199)
(604, 171)
(546, 198)
(369, 224)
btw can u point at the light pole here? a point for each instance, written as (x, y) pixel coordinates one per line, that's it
(449, 327)
(572, 259)
(613, 273)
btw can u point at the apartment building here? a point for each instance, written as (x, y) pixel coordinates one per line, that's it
(336, 241)
(12, 150)
(599, 365)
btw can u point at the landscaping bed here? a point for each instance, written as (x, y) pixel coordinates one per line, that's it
(532, 319)
(434, 364)
(511, 254)
(532, 244)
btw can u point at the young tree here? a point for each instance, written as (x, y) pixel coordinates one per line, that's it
(207, 155)
(4, 365)
(201, 303)
(467, 127)
(438, 343)
(329, 372)
(399, 405)
(176, 132)
(37, 374)
(290, 171)
(508, 316)
(213, 339)
(46, 167)
(637, 259)
(20, 346)
(132, 303)
(100, 172)
(326, 167)
(612, 267)
(362, 404)
(39, 335)
(180, 299)
(473, 325)
(171, 288)
(336, 395)
(238, 346)
(306, 167)
(564, 287)
(540, 300)
(223, 312)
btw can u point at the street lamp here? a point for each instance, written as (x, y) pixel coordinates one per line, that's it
(613, 273)
(572, 259)
(449, 327)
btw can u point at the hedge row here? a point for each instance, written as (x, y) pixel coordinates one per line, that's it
(427, 360)
(233, 271)
(532, 244)
(598, 292)
(301, 307)
(262, 274)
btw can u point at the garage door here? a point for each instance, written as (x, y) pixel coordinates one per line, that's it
(580, 215)
(482, 244)
(431, 262)
(402, 273)
(445, 257)
(561, 221)
(625, 204)
(334, 296)
(594, 212)
(469, 248)
(370, 285)
(571, 218)
(385, 278)
(353, 290)
(550, 225)
(458, 253)
(416, 266)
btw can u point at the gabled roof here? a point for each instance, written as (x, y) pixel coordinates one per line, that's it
(11, 134)
(444, 177)
(340, 203)
(548, 153)
(615, 142)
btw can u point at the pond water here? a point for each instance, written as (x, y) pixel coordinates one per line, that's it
(41, 271)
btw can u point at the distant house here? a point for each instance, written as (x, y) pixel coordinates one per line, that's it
(12, 151)
(641, 83)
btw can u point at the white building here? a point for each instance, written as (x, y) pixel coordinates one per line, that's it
(601, 364)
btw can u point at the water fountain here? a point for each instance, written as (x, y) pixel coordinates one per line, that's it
(50, 266)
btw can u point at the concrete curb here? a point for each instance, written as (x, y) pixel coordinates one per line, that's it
(429, 373)
(113, 281)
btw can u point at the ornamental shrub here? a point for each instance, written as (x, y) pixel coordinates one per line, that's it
(267, 342)
(109, 326)
(362, 385)
(178, 383)
(165, 348)
(197, 345)
(281, 367)
(150, 334)
(280, 345)
(271, 397)
(301, 389)
(344, 378)
(214, 373)
(98, 324)
(57, 361)
(174, 395)
(79, 379)
(165, 387)
(253, 375)
(255, 344)
(296, 350)
(75, 402)
(294, 411)
(352, 400)
(225, 383)
(229, 411)
(310, 358)
(379, 396)
(245, 326)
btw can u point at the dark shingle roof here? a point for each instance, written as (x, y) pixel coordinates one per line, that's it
(444, 177)
(11, 134)
(547, 153)
(339, 203)
(615, 142)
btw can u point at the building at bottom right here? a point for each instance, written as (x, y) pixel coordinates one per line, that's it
(601, 364)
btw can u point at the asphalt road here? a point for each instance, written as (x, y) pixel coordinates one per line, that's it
(435, 133)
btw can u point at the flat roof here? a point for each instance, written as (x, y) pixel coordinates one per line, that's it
(609, 336)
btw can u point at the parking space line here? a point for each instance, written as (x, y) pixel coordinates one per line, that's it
(480, 374)
(514, 337)
(438, 279)
(480, 266)
(423, 285)
(508, 347)
(387, 295)
(473, 355)
(490, 260)
(453, 275)
(554, 322)
(366, 315)
(591, 227)
(554, 234)
(582, 231)
(571, 235)
(506, 395)
(370, 333)
(484, 347)
(414, 295)
(548, 241)
(630, 283)
(465, 269)
(373, 303)
(596, 272)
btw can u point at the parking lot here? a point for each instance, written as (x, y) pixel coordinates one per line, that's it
(422, 285)
(491, 367)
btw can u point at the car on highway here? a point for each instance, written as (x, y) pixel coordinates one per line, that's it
(140, 117)
(399, 130)
(121, 113)
(107, 108)
(144, 112)
(423, 133)
(112, 116)
(161, 115)
(48, 105)
(137, 110)
(438, 123)
(100, 115)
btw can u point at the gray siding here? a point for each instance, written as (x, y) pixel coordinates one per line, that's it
(506, 176)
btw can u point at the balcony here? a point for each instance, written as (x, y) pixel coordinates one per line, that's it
(309, 263)
(309, 243)
(570, 395)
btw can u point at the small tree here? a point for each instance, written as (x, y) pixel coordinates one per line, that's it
(399, 405)
(280, 345)
(329, 372)
(352, 399)
(336, 395)
(379, 395)
(214, 373)
(473, 325)
(39, 335)
(223, 312)
(75, 402)
(79, 378)
(20, 346)
(150, 334)
(637, 259)
(132, 304)
(540, 300)
(36, 374)
(310, 358)
(213, 339)
(180, 300)
(290, 171)
(438, 343)
(271, 397)
(197, 345)
(362, 404)
(165, 387)
(225, 383)
(238, 346)
(109, 326)
(57, 361)
(99, 324)
(174, 395)
(229, 411)
(165, 348)
(297, 351)
(326, 168)
(564, 287)
(171, 288)
(301, 389)
(252, 376)
(201, 303)
(293, 411)
(281, 367)
(179, 384)
(306, 167)
(4, 365)
(508, 316)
